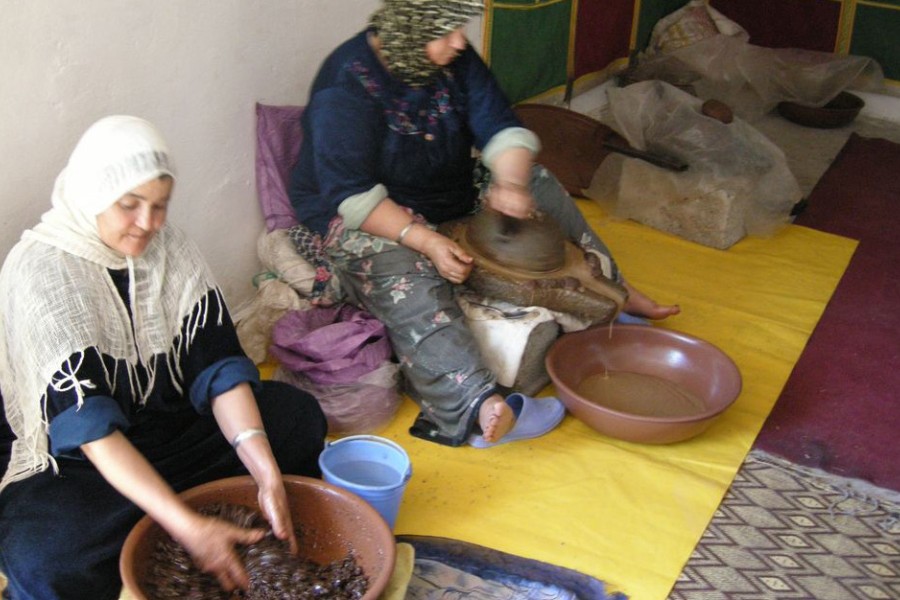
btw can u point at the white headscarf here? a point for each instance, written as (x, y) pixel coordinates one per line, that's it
(58, 300)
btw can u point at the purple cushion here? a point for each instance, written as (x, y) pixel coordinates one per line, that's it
(278, 138)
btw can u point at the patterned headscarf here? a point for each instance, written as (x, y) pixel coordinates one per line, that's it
(406, 26)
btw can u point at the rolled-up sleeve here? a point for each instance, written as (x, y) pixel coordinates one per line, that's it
(356, 209)
(511, 137)
(95, 419)
(220, 377)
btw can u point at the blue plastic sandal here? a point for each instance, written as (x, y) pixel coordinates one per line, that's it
(534, 418)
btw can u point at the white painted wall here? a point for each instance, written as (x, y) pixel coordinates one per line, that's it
(195, 68)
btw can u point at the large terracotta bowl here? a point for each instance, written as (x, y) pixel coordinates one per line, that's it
(693, 365)
(333, 521)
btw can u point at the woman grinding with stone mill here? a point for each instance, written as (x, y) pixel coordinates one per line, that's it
(124, 383)
(389, 128)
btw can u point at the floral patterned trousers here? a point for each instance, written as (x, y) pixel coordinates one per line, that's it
(439, 357)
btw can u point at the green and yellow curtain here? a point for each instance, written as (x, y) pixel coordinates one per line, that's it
(528, 44)
(537, 47)
(872, 29)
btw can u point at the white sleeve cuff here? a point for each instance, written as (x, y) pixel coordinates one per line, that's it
(356, 208)
(511, 137)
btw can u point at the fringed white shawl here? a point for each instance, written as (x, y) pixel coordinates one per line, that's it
(58, 299)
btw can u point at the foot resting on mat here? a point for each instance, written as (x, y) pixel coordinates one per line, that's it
(641, 305)
(638, 304)
(519, 417)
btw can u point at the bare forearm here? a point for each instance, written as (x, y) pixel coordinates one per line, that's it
(236, 412)
(209, 541)
(388, 220)
(238, 416)
(510, 191)
(513, 167)
(134, 477)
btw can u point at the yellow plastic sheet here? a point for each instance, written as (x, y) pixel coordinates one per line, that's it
(625, 513)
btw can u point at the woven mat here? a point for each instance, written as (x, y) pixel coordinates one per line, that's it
(784, 531)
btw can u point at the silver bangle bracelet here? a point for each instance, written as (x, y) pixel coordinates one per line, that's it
(404, 231)
(516, 185)
(245, 435)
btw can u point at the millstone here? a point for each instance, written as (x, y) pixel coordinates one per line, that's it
(528, 262)
(535, 245)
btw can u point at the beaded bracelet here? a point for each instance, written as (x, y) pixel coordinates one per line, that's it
(246, 434)
(404, 231)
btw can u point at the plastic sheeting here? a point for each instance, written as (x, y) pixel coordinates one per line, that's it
(698, 47)
(738, 182)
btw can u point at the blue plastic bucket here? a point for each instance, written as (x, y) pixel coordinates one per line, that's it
(374, 468)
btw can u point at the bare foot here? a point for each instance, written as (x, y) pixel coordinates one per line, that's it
(496, 418)
(640, 305)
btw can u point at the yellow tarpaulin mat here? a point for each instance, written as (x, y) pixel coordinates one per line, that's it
(631, 514)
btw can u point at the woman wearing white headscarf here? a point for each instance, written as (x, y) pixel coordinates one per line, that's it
(123, 382)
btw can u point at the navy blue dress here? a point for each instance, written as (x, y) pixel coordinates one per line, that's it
(362, 127)
(62, 533)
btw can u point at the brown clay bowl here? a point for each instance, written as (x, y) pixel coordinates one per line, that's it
(840, 111)
(333, 520)
(693, 365)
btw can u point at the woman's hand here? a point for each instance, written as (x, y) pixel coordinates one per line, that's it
(211, 543)
(510, 191)
(452, 262)
(274, 505)
(236, 412)
(511, 198)
(390, 221)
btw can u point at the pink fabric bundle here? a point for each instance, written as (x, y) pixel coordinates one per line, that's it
(342, 356)
(332, 345)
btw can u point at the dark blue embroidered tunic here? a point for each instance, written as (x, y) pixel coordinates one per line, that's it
(363, 128)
